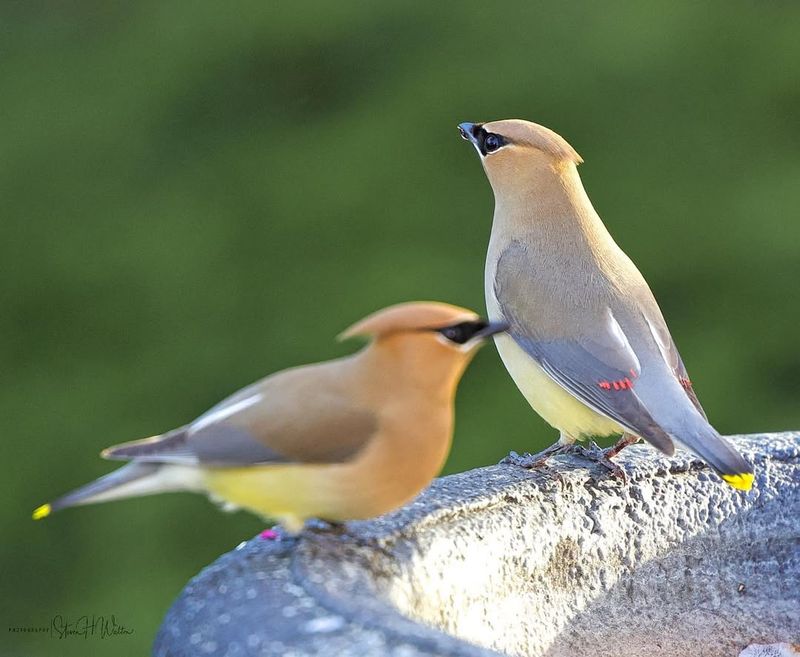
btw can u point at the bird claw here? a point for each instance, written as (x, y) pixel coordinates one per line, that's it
(617, 471)
(599, 455)
(339, 530)
(525, 460)
(320, 526)
(530, 461)
(592, 452)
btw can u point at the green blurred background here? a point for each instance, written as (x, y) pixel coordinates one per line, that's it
(197, 194)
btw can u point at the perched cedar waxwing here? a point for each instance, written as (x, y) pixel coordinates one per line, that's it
(587, 344)
(346, 439)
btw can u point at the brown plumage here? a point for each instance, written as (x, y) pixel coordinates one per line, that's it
(349, 438)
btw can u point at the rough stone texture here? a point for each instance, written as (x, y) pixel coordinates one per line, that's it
(772, 650)
(559, 562)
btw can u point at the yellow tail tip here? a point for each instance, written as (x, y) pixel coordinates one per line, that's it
(742, 481)
(41, 512)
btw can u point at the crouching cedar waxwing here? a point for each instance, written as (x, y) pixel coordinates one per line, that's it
(346, 439)
(587, 344)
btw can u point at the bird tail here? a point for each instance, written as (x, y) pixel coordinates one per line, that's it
(131, 480)
(720, 455)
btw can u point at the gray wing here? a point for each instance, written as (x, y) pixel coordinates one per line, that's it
(283, 419)
(669, 351)
(604, 382)
(221, 445)
(601, 371)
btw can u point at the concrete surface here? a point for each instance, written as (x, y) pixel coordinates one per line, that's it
(525, 563)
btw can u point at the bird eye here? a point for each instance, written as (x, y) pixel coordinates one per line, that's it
(454, 334)
(492, 142)
(463, 332)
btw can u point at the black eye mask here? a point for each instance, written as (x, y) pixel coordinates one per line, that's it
(463, 332)
(487, 142)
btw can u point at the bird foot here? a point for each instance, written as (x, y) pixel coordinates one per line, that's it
(534, 461)
(525, 460)
(593, 453)
(602, 456)
(340, 530)
(538, 460)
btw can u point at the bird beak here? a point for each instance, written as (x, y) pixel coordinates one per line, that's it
(492, 328)
(469, 132)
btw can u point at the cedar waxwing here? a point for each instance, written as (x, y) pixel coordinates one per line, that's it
(587, 344)
(346, 439)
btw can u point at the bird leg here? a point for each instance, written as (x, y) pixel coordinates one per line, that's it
(626, 440)
(538, 460)
(320, 526)
(604, 456)
(566, 445)
(339, 530)
(597, 454)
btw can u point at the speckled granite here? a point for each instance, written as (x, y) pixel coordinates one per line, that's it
(672, 563)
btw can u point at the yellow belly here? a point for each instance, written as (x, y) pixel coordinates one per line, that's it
(377, 482)
(557, 406)
(289, 494)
